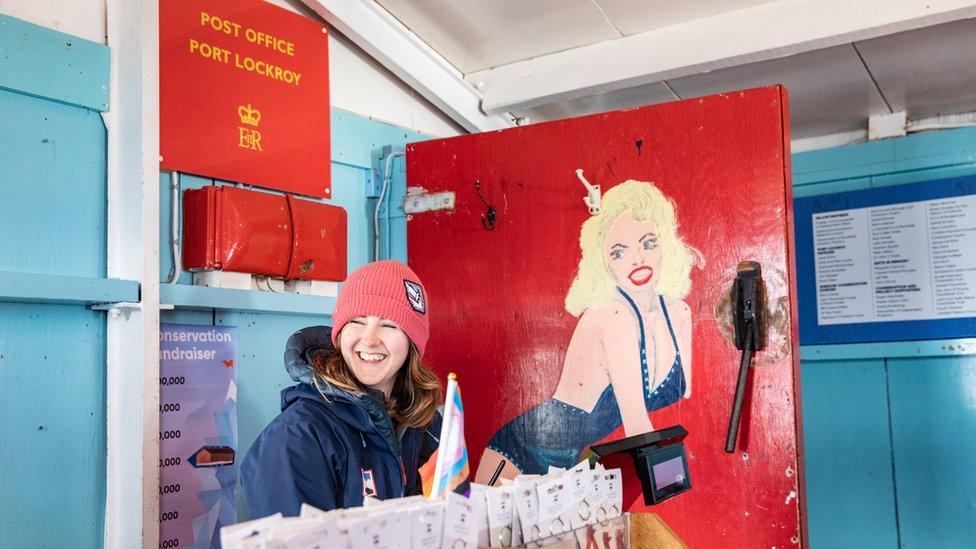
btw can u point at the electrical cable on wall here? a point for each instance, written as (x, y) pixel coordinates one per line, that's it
(387, 177)
(174, 226)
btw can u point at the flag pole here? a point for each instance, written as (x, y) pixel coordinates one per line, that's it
(447, 418)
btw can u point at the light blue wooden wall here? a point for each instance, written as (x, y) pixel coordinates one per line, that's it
(52, 226)
(889, 429)
(52, 357)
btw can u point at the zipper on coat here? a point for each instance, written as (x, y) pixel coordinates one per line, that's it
(394, 448)
(403, 478)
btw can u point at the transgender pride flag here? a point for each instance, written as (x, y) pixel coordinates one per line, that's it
(447, 470)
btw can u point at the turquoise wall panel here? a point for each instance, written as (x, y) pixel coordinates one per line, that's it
(931, 409)
(890, 349)
(844, 185)
(52, 357)
(933, 418)
(53, 180)
(46, 63)
(46, 288)
(52, 435)
(358, 141)
(850, 491)
(922, 174)
(198, 317)
(923, 151)
(349, 191)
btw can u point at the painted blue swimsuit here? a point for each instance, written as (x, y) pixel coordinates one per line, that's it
(556, 433)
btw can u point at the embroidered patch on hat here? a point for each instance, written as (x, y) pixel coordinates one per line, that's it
(369, 482)
(415, 295)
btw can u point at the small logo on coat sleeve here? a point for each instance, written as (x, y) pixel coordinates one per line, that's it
(369, 482)
(415, 295)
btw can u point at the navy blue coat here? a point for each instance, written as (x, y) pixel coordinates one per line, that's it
(331, 452)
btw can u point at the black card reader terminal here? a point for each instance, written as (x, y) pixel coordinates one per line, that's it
(659, 461)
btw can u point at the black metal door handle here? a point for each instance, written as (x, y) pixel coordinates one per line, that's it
(747, 310)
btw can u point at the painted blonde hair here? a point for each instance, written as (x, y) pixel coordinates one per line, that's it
(594, 284)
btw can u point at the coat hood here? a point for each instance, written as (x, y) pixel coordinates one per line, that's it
(300, 348)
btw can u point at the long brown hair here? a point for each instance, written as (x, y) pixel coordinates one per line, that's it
(416, 390)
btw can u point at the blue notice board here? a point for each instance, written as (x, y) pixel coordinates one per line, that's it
(888, 264)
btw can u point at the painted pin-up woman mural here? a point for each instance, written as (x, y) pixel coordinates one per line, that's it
(631, 351)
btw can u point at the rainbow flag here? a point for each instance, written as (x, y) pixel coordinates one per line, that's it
(447, 469)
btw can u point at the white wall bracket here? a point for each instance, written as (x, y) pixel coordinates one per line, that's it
(419, 201)
(115, 309)
(882, 126)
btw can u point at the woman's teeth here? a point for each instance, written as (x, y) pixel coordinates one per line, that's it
(371, 357)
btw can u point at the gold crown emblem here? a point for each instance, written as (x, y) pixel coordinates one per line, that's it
(249, 115)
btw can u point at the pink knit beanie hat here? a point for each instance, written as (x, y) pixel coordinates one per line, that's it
(388, 289)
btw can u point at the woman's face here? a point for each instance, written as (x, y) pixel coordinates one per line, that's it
(375, 349)
(632, 253)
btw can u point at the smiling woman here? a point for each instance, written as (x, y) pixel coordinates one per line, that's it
(367, 419)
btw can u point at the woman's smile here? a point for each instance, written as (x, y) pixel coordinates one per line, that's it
(641, 275)
(632, 253)
(371, 358)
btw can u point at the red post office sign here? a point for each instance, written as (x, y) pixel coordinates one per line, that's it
(244, 94)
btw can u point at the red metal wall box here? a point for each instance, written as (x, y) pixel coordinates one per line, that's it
(240, 230)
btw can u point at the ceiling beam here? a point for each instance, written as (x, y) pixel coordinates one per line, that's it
(762, 32)
(391, 43)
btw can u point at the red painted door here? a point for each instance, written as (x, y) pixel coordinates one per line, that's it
(567, 328)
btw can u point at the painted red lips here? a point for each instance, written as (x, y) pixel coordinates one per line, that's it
(641, 275)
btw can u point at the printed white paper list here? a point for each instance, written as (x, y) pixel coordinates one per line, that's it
(896, 262)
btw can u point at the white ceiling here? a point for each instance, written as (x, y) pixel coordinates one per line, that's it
(830, 91)
(926, 72)
(842, 61)
(477, 35)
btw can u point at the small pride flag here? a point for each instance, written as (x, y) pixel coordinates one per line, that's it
(447, 469)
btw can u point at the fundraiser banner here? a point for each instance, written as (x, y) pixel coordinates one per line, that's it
(244, 94)
(197, 434)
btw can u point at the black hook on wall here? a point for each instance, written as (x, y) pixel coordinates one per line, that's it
(489, 217)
